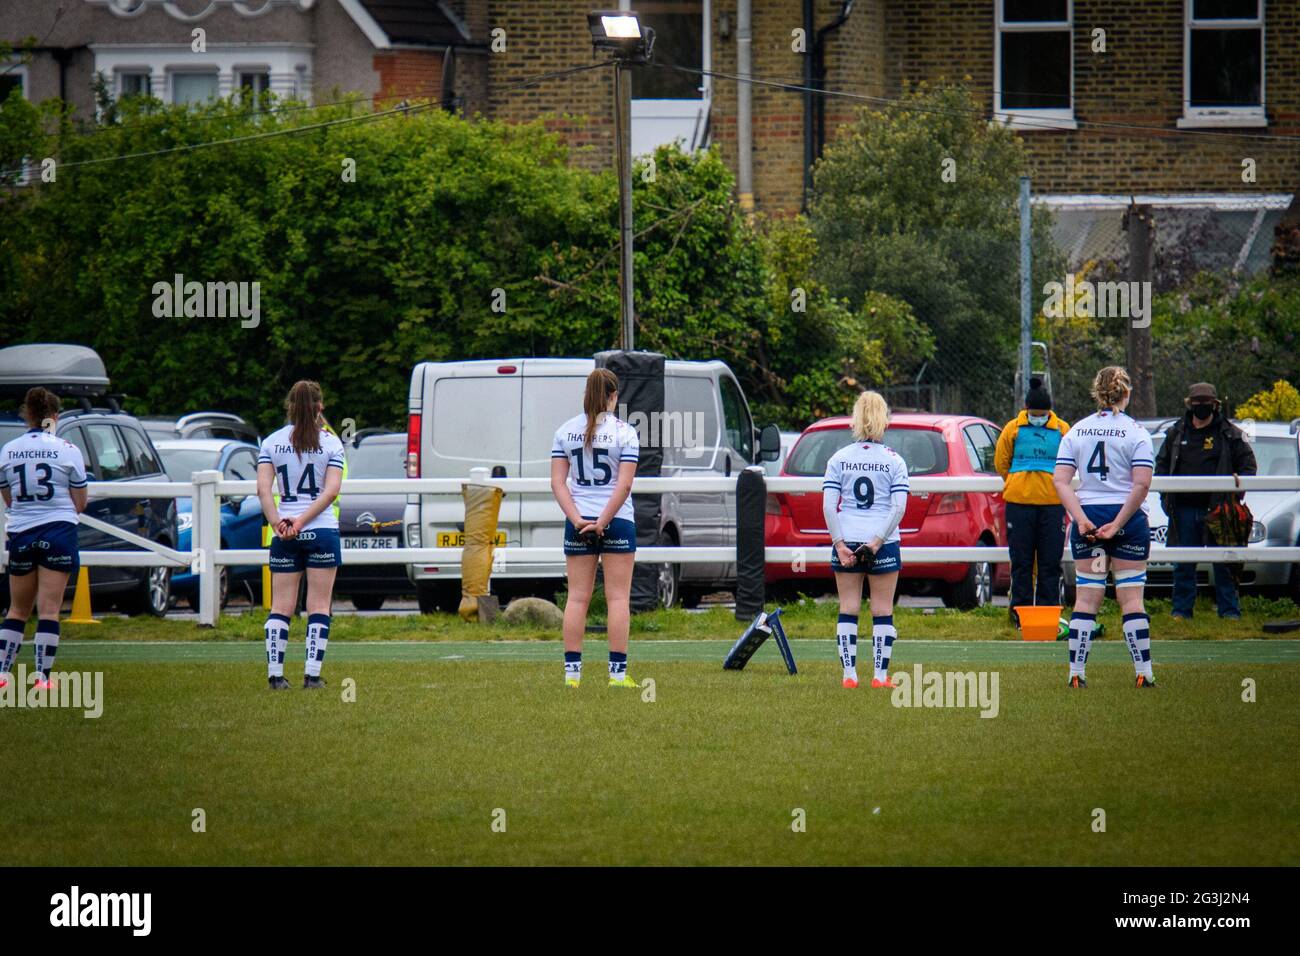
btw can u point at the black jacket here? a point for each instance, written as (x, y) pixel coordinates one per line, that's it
(1235, 458)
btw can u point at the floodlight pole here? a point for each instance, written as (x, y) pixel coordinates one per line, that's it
(623, 147)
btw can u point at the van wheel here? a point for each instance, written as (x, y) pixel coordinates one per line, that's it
(367, 602)
(974, 590)
(438, 596)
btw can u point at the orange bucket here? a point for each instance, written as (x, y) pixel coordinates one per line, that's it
(1038, 622)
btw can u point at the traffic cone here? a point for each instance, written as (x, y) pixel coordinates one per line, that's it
(81, 600)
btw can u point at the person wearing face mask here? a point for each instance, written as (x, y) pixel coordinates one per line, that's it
(1025, 458)
(1202, 442)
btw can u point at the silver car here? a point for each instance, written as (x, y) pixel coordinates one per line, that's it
(1277, 515)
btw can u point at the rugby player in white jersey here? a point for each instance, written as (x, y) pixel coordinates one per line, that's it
(302, 465)
(43, 482)
(864, 495)
(1113, 457)
(593, 462)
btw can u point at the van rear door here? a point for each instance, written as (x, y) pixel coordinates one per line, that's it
(473, 415)
(552, 395)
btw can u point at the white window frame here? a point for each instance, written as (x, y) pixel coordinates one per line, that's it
(24, 78)
(237, 81)
(1232, 116)
(1031, 119)
(289, 65)
(175, 71)
(646, 111)
(123, 71)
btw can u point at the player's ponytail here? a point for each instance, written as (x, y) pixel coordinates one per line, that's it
(1110, 387)
(602, 384)
(303, 408)
(40, 406)
(870, 417)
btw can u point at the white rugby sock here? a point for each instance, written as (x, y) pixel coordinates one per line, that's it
(846, 637)
(318, 638)
(1082, 625)
(11, 642)
(1137, 634)
(277, 641)
(47, 645)
(883, 633)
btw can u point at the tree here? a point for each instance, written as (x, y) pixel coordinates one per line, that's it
(920, 203)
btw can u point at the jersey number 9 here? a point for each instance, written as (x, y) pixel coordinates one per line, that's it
(864, 492)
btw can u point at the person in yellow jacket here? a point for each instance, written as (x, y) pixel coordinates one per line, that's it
(1025, 458)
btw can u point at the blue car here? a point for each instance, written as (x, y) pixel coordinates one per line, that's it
(241, 518)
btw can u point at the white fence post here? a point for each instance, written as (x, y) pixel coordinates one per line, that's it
(205, 538)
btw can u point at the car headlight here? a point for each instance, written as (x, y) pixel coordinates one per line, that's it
(412, 535)
(185, 521)
(1257, 532)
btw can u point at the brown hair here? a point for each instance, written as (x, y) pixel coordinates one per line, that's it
(39, 406)
(601, 384)
(1110, 386)
(303, 406)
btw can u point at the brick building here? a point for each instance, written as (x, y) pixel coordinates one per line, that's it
(1113, 98)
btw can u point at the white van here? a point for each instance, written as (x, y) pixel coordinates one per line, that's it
(502, 415)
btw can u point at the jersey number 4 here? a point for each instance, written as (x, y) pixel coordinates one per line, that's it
(43, 473)
(306, 484)
(1097, 463)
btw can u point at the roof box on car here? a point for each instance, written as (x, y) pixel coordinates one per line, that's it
(66, 370)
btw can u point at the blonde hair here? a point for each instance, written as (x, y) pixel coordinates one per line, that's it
(870, 417)
(1110, 386)
(601, 385)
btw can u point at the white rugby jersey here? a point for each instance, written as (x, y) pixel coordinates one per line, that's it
(299, 480)
(866, 474)
(38, 469)
(593, 471)
(1104, 449)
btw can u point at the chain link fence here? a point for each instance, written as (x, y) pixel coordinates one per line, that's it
(1228, 238)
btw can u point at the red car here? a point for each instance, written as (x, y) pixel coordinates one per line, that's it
(932, 446)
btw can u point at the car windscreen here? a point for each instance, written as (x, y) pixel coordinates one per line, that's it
(922, 449)
(1275, 456)
(181, 463)
(377, 459)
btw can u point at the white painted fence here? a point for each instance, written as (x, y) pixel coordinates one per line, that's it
(207, 488)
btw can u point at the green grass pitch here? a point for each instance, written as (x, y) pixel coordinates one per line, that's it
(472, 752)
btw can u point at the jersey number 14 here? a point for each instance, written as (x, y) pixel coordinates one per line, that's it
(306, 484)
